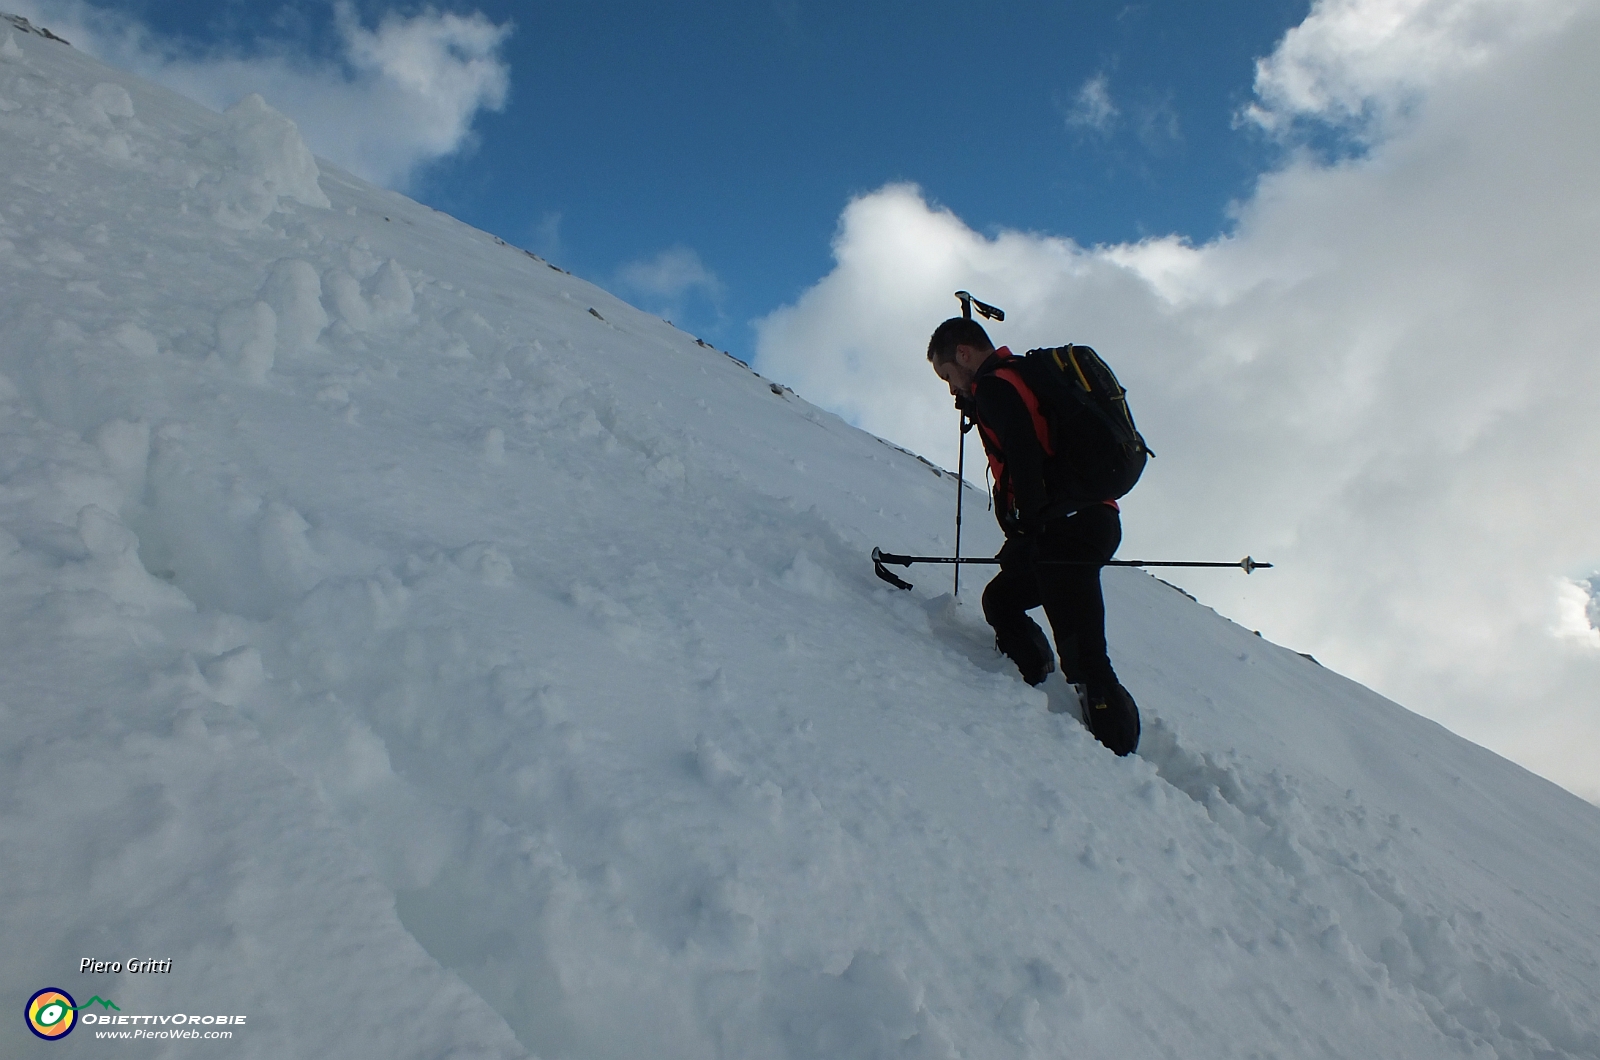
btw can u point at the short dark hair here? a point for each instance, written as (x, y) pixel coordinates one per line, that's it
(957, 331)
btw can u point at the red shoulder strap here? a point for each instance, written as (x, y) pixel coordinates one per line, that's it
(996, 467)
(1025, 392)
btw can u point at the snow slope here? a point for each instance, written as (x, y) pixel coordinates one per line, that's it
(433, 656)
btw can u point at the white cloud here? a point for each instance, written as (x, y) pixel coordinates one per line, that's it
(1362, 62)
(403, 94)
(672, 273)
(1092, 107)
(1383, 379)
(1578, 615)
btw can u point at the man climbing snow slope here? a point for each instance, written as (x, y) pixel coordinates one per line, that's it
(1056, 534)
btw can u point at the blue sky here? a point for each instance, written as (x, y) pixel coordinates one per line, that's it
(729, 136)
(741, 130)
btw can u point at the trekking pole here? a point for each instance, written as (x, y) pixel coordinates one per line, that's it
(880, 557)
(965, 423)
(961, 482)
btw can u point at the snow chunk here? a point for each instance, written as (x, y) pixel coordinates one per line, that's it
(472, 329)
(111, 100)
(235, 674)
(392, 294)
(263, 160)
(714, 765)
(342, 292)
(104, 535)
(126, 448)
(101, 104)
(287, 558)
(294, 290)
(869, 1009)
(228, 548)
(269, 147)
(247, 336)
(137, 340)
(354, 604)
(667, 471)
(287, 319)
(809, 578)
(113, 568)
(487, 562)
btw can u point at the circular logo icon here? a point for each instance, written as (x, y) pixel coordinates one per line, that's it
(52, 1013)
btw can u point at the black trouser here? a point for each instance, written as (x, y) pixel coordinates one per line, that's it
(1070, 595)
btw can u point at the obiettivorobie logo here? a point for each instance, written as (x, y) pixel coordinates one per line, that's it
(52, 1014)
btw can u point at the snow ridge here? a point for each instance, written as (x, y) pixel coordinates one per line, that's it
(432, 655)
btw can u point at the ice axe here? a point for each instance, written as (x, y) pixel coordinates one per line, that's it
(988, 312)
(985, 310)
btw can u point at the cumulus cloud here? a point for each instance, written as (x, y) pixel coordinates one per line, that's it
(671, 274)
(1382, 379)
(1579, 617)
(1361, 63)
(399, 95)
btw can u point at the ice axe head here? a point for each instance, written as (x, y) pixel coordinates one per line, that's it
(985, 310)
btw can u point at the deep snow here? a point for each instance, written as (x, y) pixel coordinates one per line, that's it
(432, 655)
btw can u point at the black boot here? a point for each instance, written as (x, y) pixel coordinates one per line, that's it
(1111, 714)
(1028, 647)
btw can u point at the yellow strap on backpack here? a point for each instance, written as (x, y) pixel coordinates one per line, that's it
(1056, 353)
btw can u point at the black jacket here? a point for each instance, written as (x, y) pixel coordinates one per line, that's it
(1030, 484)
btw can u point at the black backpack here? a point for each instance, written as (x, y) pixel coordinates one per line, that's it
(1091, 428)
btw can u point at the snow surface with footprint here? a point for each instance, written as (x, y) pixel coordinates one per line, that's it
(434, 656)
